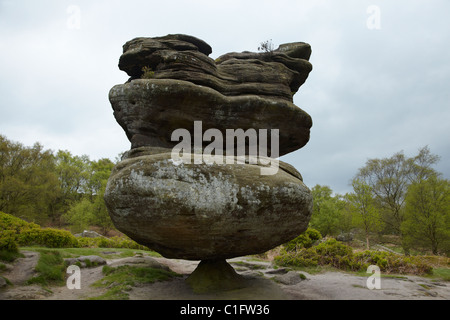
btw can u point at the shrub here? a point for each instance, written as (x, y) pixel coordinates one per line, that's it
(266, 47)
(392, 263)
(114, 242)
(10, 222)
(11, 227)
(17, 232)
(336, 254)
(52, 238)
(147, 73)
(8, 241)
(305, 240)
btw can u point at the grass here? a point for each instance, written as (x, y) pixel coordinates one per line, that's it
(9, 256)
(362, 273)
(101, 252)
(440, 274)
(50, 268)
(119, 280)
(247, 265)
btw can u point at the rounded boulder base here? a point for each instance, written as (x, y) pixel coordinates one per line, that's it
(215, 276)
(206, 212)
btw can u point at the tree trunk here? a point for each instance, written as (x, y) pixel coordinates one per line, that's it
(367, 241)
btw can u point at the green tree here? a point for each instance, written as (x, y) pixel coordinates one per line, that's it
(427, 214)
(99, 172)
(90, 209)
(73, 174)
(420, 166)
(363, 206)
(100, 213)
(326, 217)
(389, 179)
(27, 180)
(52, 189)
(80, 215)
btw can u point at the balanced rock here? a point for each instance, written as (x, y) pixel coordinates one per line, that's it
(190, 207)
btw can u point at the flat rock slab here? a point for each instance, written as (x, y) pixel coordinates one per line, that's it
(85, 261)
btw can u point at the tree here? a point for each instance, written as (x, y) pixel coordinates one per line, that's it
(85, 184)
(420, 165)
(80, 215)
(73, 174)
(427, 214)
(40, 186)
(389, 179)
(99, 172)
(363, 206)
(100, 213)
(326, 217)
(27, 180)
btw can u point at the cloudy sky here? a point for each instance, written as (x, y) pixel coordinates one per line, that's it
(380, 82)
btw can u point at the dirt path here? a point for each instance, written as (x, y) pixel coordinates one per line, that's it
(23, 268)
(263, 282)
(19, 272)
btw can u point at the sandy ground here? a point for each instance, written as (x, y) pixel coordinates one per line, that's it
(262, 282)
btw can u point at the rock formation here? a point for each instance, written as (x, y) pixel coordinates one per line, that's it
(201, 210)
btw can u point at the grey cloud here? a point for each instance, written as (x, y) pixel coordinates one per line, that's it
(371, 93)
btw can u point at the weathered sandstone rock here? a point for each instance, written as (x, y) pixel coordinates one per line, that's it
(204, 212)
(276, 75)
(150, 110)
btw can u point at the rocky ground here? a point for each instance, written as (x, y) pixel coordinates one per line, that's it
(262, 282)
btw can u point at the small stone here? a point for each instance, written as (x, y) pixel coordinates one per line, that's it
(3, 282)
(82, 261)
(290, 278)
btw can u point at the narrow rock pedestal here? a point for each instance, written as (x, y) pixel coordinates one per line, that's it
(215, 276)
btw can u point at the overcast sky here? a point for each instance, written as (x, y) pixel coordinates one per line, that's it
(380, 83)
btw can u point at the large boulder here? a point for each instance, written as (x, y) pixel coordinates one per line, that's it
(150, 110)
(189, 202)
(205, 212)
